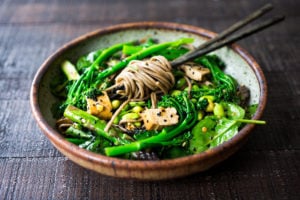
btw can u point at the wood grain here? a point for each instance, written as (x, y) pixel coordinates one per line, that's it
(236, 178)
(267, 167)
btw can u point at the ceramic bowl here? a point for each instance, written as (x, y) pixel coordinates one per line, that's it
(239, 64)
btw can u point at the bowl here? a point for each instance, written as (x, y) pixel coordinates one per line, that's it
(240, 65)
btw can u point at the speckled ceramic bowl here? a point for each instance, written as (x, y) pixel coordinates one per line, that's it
(240, 65)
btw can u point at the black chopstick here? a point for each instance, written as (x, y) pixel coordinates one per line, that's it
(238, 25)
(217, 42)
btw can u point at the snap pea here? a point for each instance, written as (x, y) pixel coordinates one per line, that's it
(202, 133)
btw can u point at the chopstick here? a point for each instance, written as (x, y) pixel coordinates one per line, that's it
(218, 41)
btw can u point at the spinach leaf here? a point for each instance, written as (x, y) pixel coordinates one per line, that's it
(225, 130)
(228, 127)
(233, 111)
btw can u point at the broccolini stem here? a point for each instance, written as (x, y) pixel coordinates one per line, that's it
(93, 123)
(76, 141)
(77, 88)
(140, 55)
(156, 140)
(226, 85)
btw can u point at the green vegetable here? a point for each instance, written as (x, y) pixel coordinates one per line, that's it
(172, 52)
(233, 111)
(209, 115)
(165, 135)
(87, 79)
(130, 49)
(140, 55)
(74, 132)
(95, 124)
(200, 114)
(98, 145)
(137, 103)
(91, 77)
(174, 152)
(201, 104)
(175, 93)
(225, 130)
(137, 109)
(93, 93)
(70, 71)
(115, 104)
(211, 132)
(219, 110)
(180, 83)
(87, 60)
(129, 116)
(76, 141)
(225, 86)
(202, 133)
(250, 110)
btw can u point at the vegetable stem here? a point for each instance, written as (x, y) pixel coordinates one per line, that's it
(93, 123)
(69, 70)
(163, 136)
(86, 79)
(140, 55)
(251, 121)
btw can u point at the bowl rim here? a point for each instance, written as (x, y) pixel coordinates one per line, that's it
(113, 162)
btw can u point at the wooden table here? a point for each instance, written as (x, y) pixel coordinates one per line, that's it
(267, 167)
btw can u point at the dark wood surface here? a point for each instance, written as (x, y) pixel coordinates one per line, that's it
(267, 167)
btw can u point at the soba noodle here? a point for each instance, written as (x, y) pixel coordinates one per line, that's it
(140, 78)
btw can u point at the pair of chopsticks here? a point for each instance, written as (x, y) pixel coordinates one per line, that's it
(220, 40)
